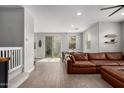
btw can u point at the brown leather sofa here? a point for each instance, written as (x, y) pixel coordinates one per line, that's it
(114, 75)
(92, 62)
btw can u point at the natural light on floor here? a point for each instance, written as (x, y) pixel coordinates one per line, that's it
(50, 60)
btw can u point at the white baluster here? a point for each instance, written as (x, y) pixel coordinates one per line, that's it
(21, 57)
(10, 59)
(6, 54)
(16, 57)
(0, 53)
(3, 54)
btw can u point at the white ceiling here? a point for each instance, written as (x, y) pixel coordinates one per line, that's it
(59, 18)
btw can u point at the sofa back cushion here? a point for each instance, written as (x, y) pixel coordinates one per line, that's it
(115, 56)
(96, 56)
(80, 56)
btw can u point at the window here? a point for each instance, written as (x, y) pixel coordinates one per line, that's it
(72, 42)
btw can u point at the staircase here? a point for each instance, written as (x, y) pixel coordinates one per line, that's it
(16, 76)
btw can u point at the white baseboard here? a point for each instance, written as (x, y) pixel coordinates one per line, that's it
(15, 73)
(30, 70)
(18, 80)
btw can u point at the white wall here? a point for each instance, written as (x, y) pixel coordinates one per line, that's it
(122, 27)
(109, 28)
(97, 33)
(40, 52)
(93, 33)
(28, 42)
(78, 42)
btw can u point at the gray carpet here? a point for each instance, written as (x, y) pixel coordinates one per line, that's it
(53, 75)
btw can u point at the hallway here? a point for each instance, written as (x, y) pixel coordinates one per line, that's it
(53, 75)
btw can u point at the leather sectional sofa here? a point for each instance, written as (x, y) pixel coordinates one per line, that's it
(114, 75)
(91, 62)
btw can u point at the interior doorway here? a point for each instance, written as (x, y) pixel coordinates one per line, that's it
(52, 46)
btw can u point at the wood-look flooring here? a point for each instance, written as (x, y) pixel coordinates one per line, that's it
(53, 75)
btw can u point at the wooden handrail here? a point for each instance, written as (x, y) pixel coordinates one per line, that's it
(4, 60)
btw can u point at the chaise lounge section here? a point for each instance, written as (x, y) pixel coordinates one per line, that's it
(114, 75)
(84, 63)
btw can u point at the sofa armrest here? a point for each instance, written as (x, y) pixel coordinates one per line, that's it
(69, 62)
(69, 65)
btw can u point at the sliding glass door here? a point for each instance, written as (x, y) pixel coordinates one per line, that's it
(53, 46)
(48, 46)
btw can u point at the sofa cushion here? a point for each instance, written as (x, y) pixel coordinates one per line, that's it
(120, 62)
(80, 56)
(83, 64)
(115, 56)
(97, 56)
(114, 71)
(105, 63)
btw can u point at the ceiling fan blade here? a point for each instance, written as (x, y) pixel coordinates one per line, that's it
(111, 7)
(116, 11)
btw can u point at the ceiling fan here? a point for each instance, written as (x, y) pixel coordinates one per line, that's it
(119, 7)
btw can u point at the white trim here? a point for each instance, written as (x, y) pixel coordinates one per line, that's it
(14, 69)
(30, 70)
(10, 48)
(11, 53)
(17, 81)
(14, 73)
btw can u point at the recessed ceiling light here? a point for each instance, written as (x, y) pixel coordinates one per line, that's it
(79, 13)
(122, 14)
